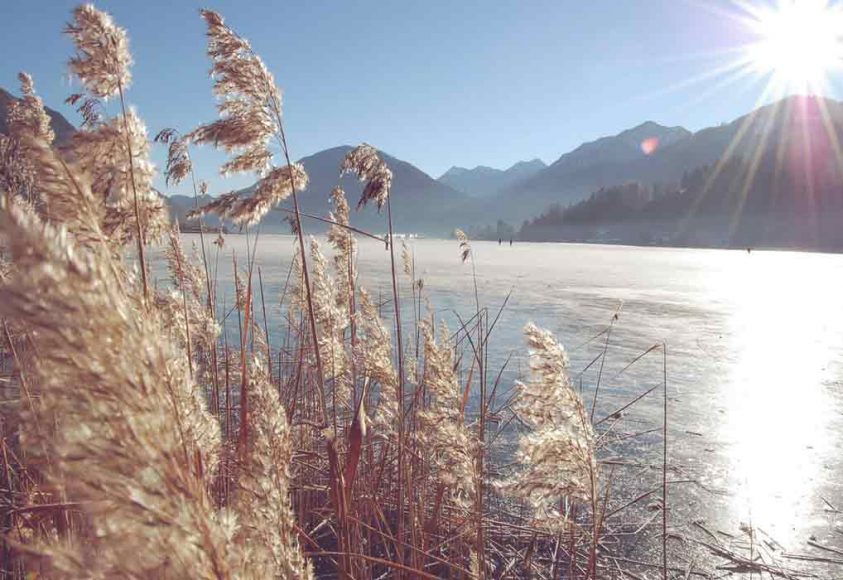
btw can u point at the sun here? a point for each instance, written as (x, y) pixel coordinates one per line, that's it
(799, 43)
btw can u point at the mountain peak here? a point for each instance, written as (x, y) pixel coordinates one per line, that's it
(456, 171)
(453, 170)
(533, 164)
(484, 180)
(648, 126)
(620, 148)
(651, 129)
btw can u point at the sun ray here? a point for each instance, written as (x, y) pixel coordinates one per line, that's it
(781, 152)
(831, 132)
(807, 168)
(725, 70)
(727, 155)
(742, 12)
(738, 138)
(736, 76)
(754, 163)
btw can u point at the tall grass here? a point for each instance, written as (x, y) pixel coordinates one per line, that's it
(346, 449)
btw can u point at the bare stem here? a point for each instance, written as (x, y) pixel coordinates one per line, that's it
(177, 253)
(400, 347)
(141, 256)
(282, 138)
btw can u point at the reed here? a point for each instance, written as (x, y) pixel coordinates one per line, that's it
(129, 451)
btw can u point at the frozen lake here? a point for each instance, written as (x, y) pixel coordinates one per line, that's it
(755, 359)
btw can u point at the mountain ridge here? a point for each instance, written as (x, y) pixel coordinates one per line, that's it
(575, 175)
(420, 203)
(623, 147)
(772, 178)
(649, 153)
(482, 180)
(678, 152)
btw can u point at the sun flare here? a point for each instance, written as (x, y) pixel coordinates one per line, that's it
(800, 43)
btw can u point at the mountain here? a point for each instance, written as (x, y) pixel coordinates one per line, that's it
(616, 160)
(626, 146)
(419, 202)
(61, 126)
(592, 165)
(773, 178)
(788, 150)
(525, 169)
(483, 181)
(478, 181)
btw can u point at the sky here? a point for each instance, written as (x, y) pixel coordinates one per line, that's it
(436, 83)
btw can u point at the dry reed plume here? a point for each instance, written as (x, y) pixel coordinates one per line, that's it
(177, 431)
(447, 441)
(557, 456)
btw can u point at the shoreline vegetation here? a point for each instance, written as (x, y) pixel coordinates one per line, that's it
(165, 432)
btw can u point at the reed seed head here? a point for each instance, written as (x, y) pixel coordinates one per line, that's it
(249, 105)
(365, 162)
(26, 117)
(465, 244)
(557, 455)
(102, 61)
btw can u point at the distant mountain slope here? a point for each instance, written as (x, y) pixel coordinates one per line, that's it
(773, 178)
(592, 165)
(525, 169)
(61, 126)
(616, 160)
(483, 181)
(795, 128)
(621, 148)
(478, 181)
(419, 202)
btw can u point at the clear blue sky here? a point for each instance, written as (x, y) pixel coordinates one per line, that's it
(438, 83)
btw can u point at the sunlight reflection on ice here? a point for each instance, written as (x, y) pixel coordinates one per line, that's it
(778, 409)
